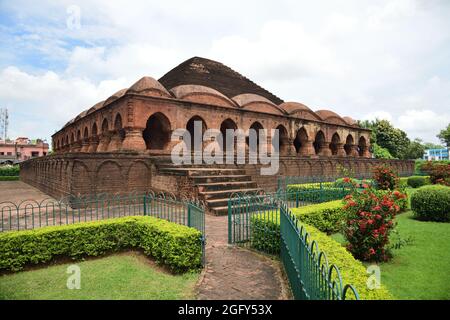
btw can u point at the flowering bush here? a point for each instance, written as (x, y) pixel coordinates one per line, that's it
(385, 178)
(370, 219)
(439, 172)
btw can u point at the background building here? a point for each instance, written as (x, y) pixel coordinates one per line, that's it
(22, 149)
(436, 154)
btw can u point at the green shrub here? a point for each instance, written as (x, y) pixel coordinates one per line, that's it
(311, 194)
(9, 171)
(418, 181)
(431, 203)
(9, 178)
(327, 217)
(352, 271)
(174, 245)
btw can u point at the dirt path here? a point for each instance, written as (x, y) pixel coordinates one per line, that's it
(236, 273)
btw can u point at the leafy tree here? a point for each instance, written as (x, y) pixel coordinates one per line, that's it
(429, 145)
(380, 152)
(414, 150)
(444, 135)
(385, 135)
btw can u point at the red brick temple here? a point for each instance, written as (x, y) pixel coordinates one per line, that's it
(123, 144)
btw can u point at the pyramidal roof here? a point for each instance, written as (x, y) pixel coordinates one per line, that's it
(213, 74)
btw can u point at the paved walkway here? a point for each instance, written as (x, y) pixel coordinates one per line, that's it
(236, 273)
(17, 191)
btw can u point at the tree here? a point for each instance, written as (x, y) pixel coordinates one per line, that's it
(444, 135)
(380, 152)
(386, 136)
(415, 150)
(430, 145)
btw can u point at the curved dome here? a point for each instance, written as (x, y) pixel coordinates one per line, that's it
(331, 117)
(350, 121)
(201, 94)
(291, 107)
(325, 114)
(149, 87)
(254, 102)
(247, 98)
(111, 99)
(299, 110)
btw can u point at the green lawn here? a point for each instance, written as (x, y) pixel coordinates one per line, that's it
(121, 276)
(418, 270)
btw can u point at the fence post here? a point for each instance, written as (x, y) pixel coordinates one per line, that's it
(297, 198)
(229, 221)
(189, 215)
(145, 205)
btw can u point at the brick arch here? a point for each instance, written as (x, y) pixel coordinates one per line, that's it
(138, 176)
(94, 129)
(109, 177)
(157, 131)
(335, 144)
(81, 178)
(319, 140)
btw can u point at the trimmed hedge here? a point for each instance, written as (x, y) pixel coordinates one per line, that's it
(179, 247)
(418, 181)
(327, 217)
(9, 171)
(431, 203)
(266, 235)
(315, 194)
(9, 178)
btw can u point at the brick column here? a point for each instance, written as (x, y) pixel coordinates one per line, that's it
(366, 152)
(340, 150)
(307, 149)
(93, 145)
(105, 139)
(325, 150)
(354, 151)
(134, 140)
(84, 145)
(75, 147)
(116, 141)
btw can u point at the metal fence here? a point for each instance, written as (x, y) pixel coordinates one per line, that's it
(307, 268)
(31, 214)
(265, 223)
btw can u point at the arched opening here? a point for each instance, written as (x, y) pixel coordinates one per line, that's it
(72, 138)
(118, 126)
(257, 127)
(86, 133)
(94, 129)
(319, 142)
(67, 140)
(157, 132)
(282, 139)
(349, 145)
(78, 135)
(362, 146)
(227, 124)
(105, 126)
(300, 141)
(190, 125)
(334, 145)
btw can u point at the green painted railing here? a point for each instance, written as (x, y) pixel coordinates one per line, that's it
(31, 214)
(307, 268)
(310, 276)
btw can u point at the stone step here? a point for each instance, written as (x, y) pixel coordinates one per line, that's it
(221, 202)
(226, 185)
(221, 178)
(220, 194)
(195, 171)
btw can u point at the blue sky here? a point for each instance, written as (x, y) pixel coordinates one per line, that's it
(364, 59)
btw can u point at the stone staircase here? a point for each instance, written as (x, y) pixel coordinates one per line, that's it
(215, 184)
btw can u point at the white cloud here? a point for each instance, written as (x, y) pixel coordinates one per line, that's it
(364, 59)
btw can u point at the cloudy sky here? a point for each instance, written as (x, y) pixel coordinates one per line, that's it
(364, 59)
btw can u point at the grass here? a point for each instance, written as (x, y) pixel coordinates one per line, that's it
(120, 276)
(418, 270)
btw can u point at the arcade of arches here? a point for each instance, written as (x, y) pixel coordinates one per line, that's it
(117, 144)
